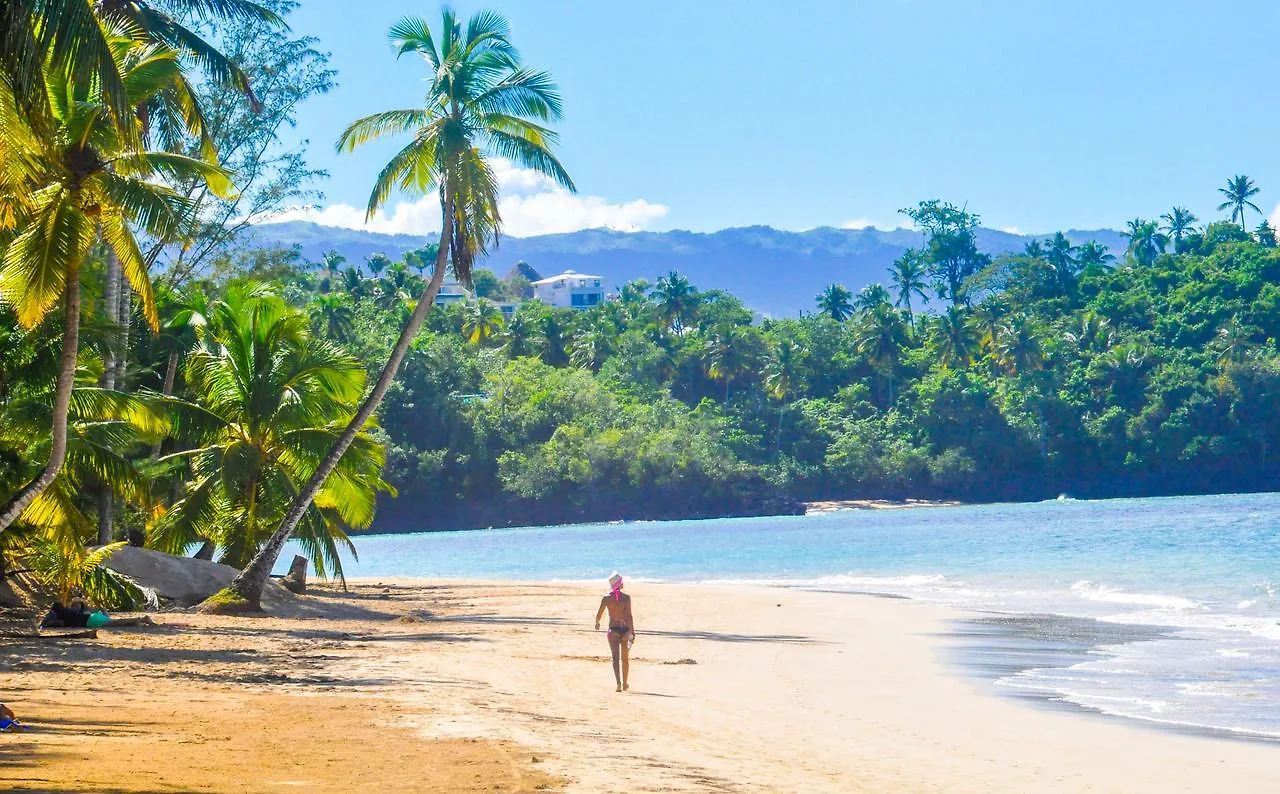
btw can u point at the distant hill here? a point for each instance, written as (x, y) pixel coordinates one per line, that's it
(774, 272)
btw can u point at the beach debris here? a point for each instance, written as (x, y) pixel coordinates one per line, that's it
(683, 661)
(295, 581)
(184, 580)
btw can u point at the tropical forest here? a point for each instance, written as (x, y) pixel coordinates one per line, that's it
(165, 383)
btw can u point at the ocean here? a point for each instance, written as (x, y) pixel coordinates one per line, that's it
(1161, 610)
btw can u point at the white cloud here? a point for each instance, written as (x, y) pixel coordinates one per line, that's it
(531, 204)
(1275, 217)
(1011, 230)
(867, 223)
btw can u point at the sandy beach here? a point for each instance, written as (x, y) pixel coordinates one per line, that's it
(469, 686)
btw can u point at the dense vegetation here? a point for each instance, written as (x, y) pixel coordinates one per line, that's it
(161, 385)
(1062, 369)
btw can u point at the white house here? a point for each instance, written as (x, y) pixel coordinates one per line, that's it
(452, 292)
(570, 289)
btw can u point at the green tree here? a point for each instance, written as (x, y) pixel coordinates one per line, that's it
(332, 317)
(1238, 191)
(71, 177)
(880, 336)
(907, 274)
(728, 355)
(836, 302)
(481, 321)
(1092, 255)
(480, 100)
(1146, 241)
(677, 301)
(1179, 222)
(955, 339)
(264, 402)
(951, 254)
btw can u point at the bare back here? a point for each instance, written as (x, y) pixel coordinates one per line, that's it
(619, 609)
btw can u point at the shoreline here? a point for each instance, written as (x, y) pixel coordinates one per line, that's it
(836, 505)
(503, 686)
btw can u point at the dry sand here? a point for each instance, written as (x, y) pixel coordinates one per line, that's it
(414, 686)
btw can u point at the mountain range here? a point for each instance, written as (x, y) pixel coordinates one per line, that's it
(775, 272)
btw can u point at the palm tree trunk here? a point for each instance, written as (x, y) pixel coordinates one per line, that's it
(111, 308)
(249, 584)
(170, 375)
(61, 404)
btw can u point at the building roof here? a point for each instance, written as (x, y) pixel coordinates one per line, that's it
(567, 275)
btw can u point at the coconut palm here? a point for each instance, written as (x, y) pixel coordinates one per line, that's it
(726, 355)
(1146, 241)
(1034, 249)
(781, 371)
(1093, 254)
(1238, 191)
(520, 336)
(872, 297)
(591, 345)
(880, 336)
(677, 301)
(1060, 254)
(333, 318)
(955, 338)
(907, 274)
(1178, 222)
(836, 302)
(68, 177)
(1016, 347)
(480, 101)
(77, 38)
(481, 321)
(263, 404)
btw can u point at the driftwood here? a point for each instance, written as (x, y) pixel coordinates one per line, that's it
(295, 581)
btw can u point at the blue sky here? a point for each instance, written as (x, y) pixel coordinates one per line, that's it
(705, 114)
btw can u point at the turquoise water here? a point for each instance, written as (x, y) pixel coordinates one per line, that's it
(1205, 568)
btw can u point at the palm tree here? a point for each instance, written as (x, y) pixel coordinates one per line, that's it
(377, 263)
(67, 177)
(872, 297)
(1034, 249)
(955, 339)
(908, 276)
(1179, 222)
(1238, 191)
(1094, 255)
(591, 345)
(520, 336)
(880, 336)
(1016, 347)
(725, 354)
(481, 321)
(1060, 254)
(333, 318)
(480, 101)
(836, 302)
(677, 300)
(264, 402)
(77, 38)
(780, 374)
(1146, 242)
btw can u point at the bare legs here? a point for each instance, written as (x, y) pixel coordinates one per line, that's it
(618, 647)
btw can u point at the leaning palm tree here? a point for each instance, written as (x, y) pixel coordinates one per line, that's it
(1238, 191)
(68, 176)
(836, 301)
(908, 276)
(1179, 222)
(264, 401)
(480, 101)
